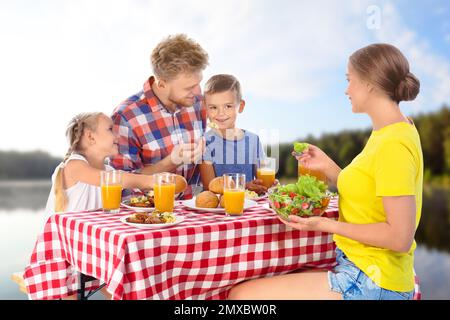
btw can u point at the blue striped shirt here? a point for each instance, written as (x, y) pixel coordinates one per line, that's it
(234, 156)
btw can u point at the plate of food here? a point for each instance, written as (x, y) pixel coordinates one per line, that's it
(152, 220)
(252, 195)
(142, 203)
(211, 202)
(308, 197)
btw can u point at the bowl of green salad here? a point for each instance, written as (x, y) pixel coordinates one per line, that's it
(307, 197)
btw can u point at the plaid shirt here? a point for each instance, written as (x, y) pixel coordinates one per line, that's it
(148, 132)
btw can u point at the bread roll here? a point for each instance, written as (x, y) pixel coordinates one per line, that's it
(206, 199)
(216, 185)
(180, 184)
(222, 201)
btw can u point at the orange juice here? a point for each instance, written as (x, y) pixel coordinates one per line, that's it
(164, 197)
(234, 201)
(318, 174)
(111, 196)
(267, 176)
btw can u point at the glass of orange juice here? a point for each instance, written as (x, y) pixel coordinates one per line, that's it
(266, 171)
(111, 185)
(164, 190)
(234, 193)
(302, 170)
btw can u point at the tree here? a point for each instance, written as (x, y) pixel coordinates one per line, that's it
(27, 165)
(446, 147)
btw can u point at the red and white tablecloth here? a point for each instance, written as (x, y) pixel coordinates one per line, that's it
(200, 258)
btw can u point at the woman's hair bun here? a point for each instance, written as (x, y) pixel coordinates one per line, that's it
(407, 89)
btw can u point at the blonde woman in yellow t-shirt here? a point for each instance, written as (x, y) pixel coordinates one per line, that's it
(380, 195)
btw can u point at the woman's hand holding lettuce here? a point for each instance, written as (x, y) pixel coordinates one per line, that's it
(315, 159)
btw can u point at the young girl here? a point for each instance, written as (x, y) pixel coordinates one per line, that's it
(76, 181)
(380, 195)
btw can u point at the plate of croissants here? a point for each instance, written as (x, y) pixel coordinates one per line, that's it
(213, 200)
(152, 220)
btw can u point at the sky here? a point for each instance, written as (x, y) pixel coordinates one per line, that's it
(62, 57)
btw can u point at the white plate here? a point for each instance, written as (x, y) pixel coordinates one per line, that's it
(138, 209)
(153, 225)
(191, 204)
(264, 196)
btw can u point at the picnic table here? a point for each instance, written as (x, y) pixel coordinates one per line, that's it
(199, 258)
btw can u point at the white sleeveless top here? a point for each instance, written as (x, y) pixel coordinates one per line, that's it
(81, 196)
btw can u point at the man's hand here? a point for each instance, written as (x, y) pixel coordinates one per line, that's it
(256, 186)
(187, 153)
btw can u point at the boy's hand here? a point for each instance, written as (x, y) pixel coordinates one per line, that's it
(256, 186)
(188, 153)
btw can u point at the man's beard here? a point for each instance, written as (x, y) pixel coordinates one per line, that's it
(182, 102)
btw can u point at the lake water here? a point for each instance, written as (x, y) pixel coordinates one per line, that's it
(22, 213)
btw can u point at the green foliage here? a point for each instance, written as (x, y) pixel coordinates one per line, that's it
(291, 165)
(446, 146)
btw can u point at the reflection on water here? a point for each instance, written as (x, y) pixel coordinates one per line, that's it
(18, 233)
(434, 225)
(24, 194)
(22, 213)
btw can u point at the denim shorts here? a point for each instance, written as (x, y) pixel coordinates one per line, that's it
(348, 280)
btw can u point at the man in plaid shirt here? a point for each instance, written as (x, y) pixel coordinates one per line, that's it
(161, 128)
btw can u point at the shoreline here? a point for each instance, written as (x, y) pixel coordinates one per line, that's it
(24, 182)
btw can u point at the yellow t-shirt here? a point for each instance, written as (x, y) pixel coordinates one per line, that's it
(391, 164)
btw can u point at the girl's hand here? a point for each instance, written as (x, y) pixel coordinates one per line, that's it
(307, 224)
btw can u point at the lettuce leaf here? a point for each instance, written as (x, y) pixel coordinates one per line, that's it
(311, 187)
(299, 147)
(292, 187)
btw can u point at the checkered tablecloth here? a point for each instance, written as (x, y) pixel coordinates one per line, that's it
(200, 258)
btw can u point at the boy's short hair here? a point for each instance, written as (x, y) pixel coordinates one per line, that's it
(178, 54)
(221, 83)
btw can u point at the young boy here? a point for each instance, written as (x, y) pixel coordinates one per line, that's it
(228, 149)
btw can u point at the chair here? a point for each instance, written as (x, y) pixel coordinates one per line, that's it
(17, 277)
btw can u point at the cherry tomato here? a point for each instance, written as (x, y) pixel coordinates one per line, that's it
(317, 211)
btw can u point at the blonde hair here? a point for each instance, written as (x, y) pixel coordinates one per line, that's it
(74, 133)
(178, 54)
(223, 82)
